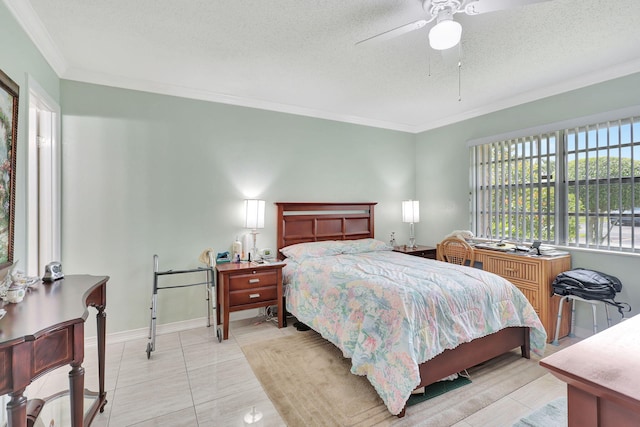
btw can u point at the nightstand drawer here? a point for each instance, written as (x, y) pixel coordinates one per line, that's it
(252, 296)
(254, 279)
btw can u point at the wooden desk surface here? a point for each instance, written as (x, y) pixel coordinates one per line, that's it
(66, 299)
(46, 331)
(606, 364)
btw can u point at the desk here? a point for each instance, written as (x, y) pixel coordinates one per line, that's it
(533, 275)
(602, 374)
(46, 331)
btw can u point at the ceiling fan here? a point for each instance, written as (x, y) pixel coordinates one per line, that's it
(446, 32)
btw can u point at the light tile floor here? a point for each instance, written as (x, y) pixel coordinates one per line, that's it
(192, 380)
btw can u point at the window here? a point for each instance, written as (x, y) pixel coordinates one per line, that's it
(575, 186)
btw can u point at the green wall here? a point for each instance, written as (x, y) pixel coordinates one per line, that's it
(147, 174)
(442, 173)
(21, 60)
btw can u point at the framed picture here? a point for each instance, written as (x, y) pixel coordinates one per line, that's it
(9, 92)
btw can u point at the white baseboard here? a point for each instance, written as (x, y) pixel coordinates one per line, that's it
(135, 334)
(167, 328)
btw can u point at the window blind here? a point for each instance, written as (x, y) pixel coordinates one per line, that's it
(577, 186)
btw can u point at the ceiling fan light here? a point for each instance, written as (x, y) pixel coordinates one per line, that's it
(445, 34)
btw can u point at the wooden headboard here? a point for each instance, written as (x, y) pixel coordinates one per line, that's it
(300, 222)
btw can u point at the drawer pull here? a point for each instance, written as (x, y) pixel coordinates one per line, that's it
(251, 296)
(512, 270)
(254, 280)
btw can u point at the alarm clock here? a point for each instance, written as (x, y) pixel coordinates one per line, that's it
(52, 272)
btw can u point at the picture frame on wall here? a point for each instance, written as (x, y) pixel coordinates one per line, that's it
(9, 96)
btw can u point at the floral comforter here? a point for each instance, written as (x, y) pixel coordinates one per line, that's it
(389, 312)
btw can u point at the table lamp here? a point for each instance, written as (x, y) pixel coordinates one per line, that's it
(254, 219)
(411, 214)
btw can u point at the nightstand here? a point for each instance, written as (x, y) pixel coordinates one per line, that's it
(247, 285)
(421, 251)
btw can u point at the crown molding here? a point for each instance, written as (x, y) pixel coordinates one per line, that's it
(87, 76)
(581, 81)
(599, 76)
(32, 25)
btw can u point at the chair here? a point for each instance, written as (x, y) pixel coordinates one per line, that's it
(457, 251)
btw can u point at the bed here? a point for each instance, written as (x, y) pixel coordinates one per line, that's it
(387, 311)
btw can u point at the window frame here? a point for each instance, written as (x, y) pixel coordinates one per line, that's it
(559, 185)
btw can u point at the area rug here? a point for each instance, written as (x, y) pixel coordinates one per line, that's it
(553, 414)
(310, 384)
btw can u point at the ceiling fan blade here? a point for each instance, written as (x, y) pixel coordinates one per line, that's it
(403, 29)
(483, 6)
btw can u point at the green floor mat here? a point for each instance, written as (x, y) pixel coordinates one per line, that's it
(436, 389)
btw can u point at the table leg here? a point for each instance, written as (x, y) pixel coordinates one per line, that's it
(17, 409)
(218, 299)
(101, 321)
(225, 317)
(225, 326)
(76, 394)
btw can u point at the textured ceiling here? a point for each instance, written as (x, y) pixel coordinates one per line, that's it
(299, 56)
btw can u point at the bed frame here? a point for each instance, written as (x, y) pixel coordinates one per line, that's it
(312, 222)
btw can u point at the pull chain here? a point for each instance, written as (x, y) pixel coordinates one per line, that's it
(459, 72)
(459, 81)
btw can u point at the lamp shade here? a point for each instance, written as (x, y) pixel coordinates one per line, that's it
(411, 211)
(254, 214)
(445, 34)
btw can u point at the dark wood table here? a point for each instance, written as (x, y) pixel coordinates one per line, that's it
(419, 250)
(602, 374)
(247, 285)
(46, 331)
